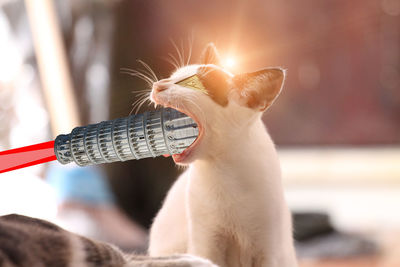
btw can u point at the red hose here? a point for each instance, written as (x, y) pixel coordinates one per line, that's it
(26, 156)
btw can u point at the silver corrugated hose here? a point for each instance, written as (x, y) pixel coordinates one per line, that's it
(151, 134)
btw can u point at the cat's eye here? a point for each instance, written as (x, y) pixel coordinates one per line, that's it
(193, 82)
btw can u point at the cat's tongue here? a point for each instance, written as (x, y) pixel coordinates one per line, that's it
(166, 155)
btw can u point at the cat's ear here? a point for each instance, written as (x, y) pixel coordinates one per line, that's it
(210, 55)
(258, 90)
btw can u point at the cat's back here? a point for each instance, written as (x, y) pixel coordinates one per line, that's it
(26, 241)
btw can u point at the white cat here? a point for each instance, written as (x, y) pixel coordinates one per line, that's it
(228, 206)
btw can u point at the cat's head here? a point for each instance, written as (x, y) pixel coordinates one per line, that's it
(222, 104)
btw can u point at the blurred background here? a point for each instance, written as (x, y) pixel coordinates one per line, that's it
(336, 123)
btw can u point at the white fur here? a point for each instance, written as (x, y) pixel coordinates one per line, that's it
(228, 206)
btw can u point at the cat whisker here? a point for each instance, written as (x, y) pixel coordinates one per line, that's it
(183, 53)
(178, 52)
(142, 76)
(190, 43)
(134, 108)
(141, 101)
(150, 70)
(140, 72)
(143, 97)
(145, 90)
(141, 104)
(171, 60)
(205, 73)
(139, 75)
(174, 59)
(140, 95)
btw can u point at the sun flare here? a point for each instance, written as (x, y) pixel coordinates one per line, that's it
(229, 62)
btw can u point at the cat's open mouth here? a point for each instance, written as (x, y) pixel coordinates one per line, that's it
(183, 156)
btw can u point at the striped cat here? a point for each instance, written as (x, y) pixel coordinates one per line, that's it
(30, 242)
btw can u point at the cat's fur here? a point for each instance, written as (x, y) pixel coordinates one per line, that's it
(30, 242)
(228, 206)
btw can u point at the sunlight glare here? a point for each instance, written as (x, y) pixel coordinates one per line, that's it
(229, 62)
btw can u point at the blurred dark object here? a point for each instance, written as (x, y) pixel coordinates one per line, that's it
(316, 238)
(310, 224)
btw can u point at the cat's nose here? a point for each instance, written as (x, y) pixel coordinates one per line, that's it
(159, 87)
